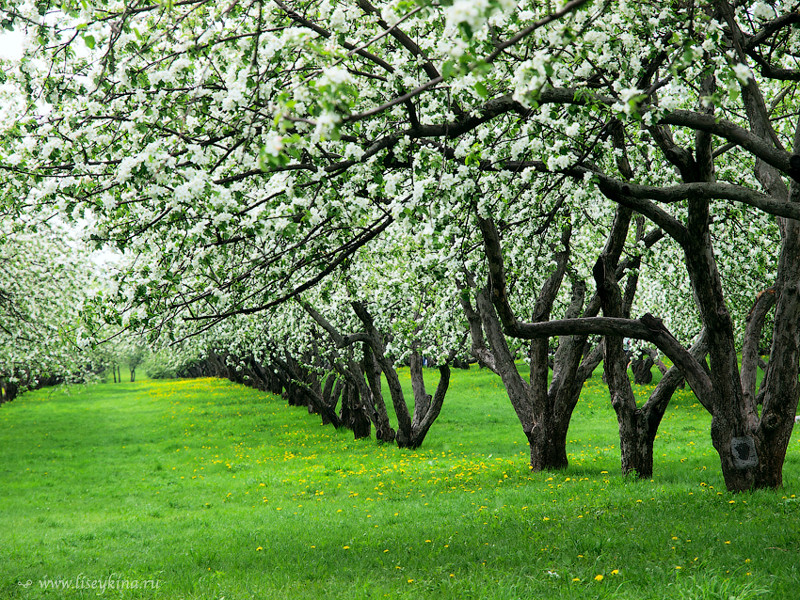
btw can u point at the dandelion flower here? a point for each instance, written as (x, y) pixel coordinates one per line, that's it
(598, 578)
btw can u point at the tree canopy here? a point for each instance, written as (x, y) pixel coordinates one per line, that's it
(447, 168)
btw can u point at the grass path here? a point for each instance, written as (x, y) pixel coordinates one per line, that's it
(206, 490)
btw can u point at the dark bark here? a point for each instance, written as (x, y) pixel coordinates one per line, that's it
(751, 448)
(615, 365)
(750, 345)
(410, 431)
(780, 398)
(353, 415)
(637, 426)
(336, 394)
(8, 391)
(372, 373)
(544, 412)
(364, 375)
(426, 407)
(300, 393)
(642, 366)
(327, 390)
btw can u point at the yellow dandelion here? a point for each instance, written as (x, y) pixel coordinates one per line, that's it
(598, 578)
(615, 572)
(259, 549)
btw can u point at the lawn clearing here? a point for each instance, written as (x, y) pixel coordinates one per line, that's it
(203, 489)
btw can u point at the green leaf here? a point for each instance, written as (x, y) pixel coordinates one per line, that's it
(89, 41)
(449, 69)
(481, 89)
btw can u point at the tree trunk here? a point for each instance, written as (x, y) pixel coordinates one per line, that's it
(642, 369)
(353, 415)
(426, 407)
(781, 391)
(410, 431)
(548, 443)
(543, 411)
(636, 448)
(300, 394)
(372, 374)
(8, 391)
(545, 423)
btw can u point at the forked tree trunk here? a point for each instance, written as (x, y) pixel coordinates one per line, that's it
(426, 407)
(545, 421)
(411, 431)
(372, 374)
(637, 426)
(544, 411)
(353, 415)
(364, 375)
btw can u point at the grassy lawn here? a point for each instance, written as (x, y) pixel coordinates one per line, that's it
(205, 489)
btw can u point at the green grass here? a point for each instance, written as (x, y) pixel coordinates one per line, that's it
(212, 490)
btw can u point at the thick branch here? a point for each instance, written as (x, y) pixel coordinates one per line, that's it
(646, 328)
(515, 385)
(703, 191)
(752, 338)
(761, 148)
(479, 350)
(659, 399)
(393, 381)
(341, 341)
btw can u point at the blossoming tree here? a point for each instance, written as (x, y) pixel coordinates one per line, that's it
(241, 153)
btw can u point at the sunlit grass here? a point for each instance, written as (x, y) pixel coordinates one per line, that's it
(215, 490)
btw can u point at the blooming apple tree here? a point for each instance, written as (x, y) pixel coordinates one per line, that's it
(241, 153)
(42, 287)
